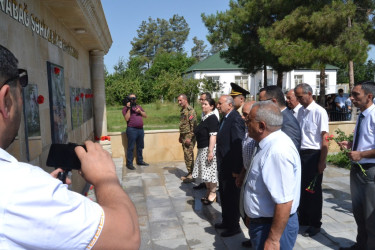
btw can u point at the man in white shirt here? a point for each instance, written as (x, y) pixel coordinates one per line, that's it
(37, 210)
(292, 102)
(272, 187)
(313, 120)
(362, 173)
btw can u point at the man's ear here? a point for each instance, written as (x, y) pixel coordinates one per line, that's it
(262, 126)
(5, 101)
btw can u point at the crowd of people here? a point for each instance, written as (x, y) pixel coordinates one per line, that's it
(264, 155)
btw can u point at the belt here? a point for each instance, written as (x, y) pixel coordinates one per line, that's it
(365, 166)
(264, 220)
(308, 151)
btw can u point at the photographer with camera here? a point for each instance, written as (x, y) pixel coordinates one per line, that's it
(37, 210)
(134, 115)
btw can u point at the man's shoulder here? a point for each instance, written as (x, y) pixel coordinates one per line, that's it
(190, 108)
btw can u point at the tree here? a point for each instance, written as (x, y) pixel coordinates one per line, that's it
(237, 28)
(160, 35)
(316, 35)
(199, 51)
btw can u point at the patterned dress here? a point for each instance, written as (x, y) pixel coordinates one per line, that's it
(204, 169)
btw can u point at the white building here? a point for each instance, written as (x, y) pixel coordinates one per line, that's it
(216, 69)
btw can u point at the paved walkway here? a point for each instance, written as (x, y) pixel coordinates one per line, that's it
(171, 215)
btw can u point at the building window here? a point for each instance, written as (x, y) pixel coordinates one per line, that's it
(213, 79)
(298, 79)
(318, 81)
(242, 81)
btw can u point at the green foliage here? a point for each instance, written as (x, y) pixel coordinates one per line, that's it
(207, 85)
(316, 35)
(362, 72)
(341, 136)
(160, 35)
(340, 159)
(199, 51)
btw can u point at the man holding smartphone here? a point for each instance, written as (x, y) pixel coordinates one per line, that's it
(52, 216)
(134, 115)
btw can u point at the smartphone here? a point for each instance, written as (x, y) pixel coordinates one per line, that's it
(63, 156)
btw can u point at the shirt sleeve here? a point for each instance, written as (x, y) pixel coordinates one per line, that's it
(323, 121)
(213, 124)
(124, 110)
(62, 218)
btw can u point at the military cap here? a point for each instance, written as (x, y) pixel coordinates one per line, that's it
(237, 90)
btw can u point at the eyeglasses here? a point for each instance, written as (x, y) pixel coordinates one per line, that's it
(22, 76)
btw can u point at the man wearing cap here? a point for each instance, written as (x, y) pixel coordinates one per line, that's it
(239, 96)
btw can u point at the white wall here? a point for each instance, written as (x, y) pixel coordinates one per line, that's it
(309, 77)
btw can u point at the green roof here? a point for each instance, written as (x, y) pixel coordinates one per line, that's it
(216, 63)
(213, 63)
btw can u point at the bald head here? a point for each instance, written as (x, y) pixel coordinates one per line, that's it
(246, 109)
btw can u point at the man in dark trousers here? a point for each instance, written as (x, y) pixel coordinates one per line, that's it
(290, 124)
(313, 120)
(362, 173)
(229, 161)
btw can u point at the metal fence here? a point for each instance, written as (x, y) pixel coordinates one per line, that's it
(339, 115)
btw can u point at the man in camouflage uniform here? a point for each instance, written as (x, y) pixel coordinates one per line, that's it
(188, 122)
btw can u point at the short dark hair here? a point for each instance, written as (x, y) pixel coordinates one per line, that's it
(341, 90)
(367, 86)
(208, 95)
(211, 102)
(8, 64)
(274, 92)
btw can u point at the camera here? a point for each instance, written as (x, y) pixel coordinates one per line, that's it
(131, 100)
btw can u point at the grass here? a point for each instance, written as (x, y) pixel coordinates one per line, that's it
(340, 159)
(159, 116)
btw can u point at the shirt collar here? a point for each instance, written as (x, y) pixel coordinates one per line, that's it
(368, 110)
(269, 138)
(311, 105)
(206, 116)
(5, 156)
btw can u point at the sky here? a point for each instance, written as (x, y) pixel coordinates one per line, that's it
(125, 16)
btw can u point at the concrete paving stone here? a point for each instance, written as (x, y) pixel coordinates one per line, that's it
(131, 174)
(141, 208)
(158, 201)
(182, 204)
(132, 181)
(150, 176)
(193, 219)
(317, 241)
(166, 230)
(336, 227)
(161, 214)
(344, 239)
(149, 182)
(178, 192)
(178, 244)
(146, 242)
(168, 178)
(155, 190)
(340, 215)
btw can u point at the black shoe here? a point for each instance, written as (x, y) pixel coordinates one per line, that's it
(220, 226)
(230, 232)
(142, 163)
(200, 186)
(352, 247)
(247, 243)
(311, 231)
(131, 167)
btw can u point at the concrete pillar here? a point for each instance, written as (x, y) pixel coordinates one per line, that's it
(97, 79)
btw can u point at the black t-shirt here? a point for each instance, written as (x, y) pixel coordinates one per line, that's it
(203, 130)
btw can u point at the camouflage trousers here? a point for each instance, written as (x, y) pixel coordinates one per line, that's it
(188, 154)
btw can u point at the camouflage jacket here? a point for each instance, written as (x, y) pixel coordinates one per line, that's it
(188, 122)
